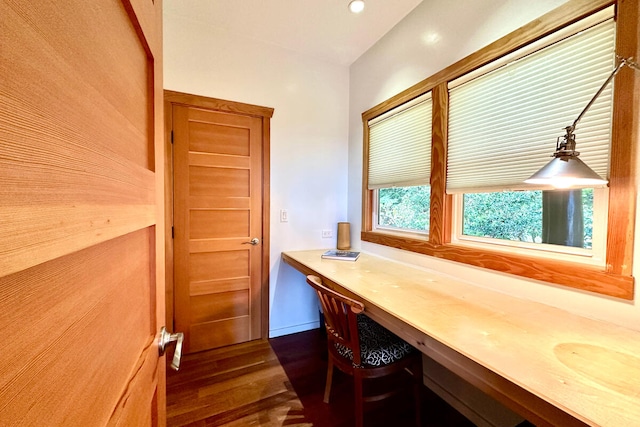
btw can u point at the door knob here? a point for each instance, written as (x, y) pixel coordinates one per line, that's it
(253, 242)
(165, 339)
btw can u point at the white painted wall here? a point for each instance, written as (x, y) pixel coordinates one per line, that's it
(309, 133)
(436, 34)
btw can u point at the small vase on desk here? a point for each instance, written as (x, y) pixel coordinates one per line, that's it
(344, 236)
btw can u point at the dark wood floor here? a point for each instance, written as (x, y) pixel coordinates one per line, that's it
(281, 383)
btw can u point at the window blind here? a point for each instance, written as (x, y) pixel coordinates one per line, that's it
(400, 145)
(503, 125)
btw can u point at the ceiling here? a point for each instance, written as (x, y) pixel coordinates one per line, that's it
(325, 29)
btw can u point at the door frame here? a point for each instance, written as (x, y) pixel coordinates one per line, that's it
(264, 113)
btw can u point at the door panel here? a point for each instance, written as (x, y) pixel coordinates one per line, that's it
(226, 140)
(219, 306)
(218, 210)
(82, 268)
(225, 285)
(218, 182)
(66, 346)
(220, 333)
(60, 147)
(218, 223)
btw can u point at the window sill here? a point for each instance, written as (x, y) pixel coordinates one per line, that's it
(574, 275)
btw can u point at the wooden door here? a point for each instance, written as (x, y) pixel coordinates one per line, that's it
(81, 200)
(218, 199)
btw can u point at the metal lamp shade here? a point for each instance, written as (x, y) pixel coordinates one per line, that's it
(565, 172)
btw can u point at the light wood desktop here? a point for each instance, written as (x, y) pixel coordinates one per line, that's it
(552, 367)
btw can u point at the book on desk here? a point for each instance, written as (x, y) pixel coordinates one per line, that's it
(341, 255)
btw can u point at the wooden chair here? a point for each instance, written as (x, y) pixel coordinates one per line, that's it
(362, 348)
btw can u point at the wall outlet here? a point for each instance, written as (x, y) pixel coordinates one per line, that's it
(327, 234)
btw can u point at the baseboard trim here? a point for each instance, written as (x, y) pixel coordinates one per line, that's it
(273, 333)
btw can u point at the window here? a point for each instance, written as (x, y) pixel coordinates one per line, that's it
(608, 213)
(557, 224)
(403, 208)
(501, 128)
(518, 216)
(399, 166)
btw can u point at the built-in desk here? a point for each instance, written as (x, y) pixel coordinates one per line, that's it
(550, 366)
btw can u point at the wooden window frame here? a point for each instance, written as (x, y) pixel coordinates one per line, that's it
(615, 279)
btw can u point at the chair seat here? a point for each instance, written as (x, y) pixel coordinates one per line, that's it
(378, 346)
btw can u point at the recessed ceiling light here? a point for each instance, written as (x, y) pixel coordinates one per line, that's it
(356, 6)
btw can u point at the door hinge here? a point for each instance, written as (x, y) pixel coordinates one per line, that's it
(172, 232)
(172, 136)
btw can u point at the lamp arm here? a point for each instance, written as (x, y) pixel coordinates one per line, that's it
(567, 147)
(622, 62)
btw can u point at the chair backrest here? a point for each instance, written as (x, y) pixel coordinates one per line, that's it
(339, 317)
